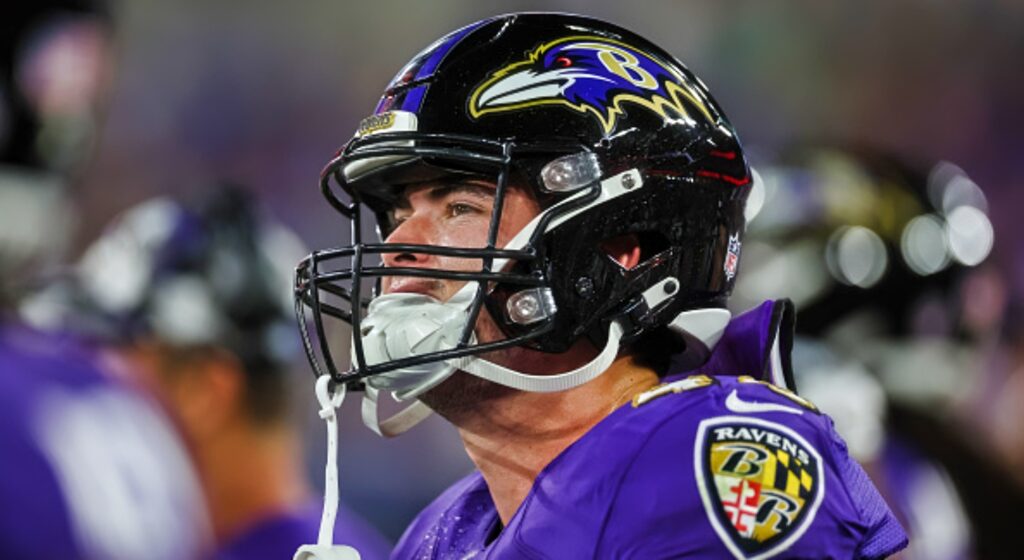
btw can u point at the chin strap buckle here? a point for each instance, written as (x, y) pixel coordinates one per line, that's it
(639, 315)
(325, 549)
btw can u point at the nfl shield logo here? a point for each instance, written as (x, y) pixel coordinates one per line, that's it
(732, 257)
(760, 481)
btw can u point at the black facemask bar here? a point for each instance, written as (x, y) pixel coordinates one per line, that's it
(316, 277)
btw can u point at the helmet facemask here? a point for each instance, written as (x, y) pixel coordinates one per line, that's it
(330, 281)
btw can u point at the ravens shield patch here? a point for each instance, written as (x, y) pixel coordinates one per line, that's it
(760, 481)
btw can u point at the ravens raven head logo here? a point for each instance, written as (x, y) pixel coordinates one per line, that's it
(593, 75)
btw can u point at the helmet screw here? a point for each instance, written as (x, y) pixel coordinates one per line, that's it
(585, 287)
(671, 287)
(628, 181)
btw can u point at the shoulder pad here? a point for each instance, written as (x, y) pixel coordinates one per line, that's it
(757, 343)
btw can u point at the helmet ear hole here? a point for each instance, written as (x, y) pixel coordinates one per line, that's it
(652, 244)
(623, 250)
(630, 250)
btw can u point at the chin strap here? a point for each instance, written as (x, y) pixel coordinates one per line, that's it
(416, 412)
(545, 383)
(325, 549)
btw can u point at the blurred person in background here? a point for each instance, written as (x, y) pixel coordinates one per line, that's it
(898, 316)
(90, 467)
(196, 298)
(560, 205)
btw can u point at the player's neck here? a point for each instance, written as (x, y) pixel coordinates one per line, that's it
(512, 438)
(250, 473)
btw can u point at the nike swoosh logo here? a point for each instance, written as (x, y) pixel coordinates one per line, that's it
(734, 403)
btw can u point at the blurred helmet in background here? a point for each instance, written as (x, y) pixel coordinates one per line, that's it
(208, 274)
(883, 259)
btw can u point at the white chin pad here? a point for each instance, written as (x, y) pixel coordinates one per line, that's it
(404, 325)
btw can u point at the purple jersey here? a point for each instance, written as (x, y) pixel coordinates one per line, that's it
(279, 536)
(89, 467)
(704, 466)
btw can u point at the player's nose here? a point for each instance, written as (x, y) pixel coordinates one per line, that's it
(414, 230)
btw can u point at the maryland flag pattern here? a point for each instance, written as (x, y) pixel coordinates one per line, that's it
(760, 481)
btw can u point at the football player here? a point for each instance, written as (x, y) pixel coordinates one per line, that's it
(561, 209)
(196, 298)
(90, 467)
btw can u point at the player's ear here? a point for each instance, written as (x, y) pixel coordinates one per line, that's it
(205, 389)
(623, 249)
(218, 391)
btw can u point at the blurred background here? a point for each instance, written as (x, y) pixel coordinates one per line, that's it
(264, 92)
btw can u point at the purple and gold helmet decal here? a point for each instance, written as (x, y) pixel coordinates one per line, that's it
(594, 75)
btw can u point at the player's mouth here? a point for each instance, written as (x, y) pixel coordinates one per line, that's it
(413, 285)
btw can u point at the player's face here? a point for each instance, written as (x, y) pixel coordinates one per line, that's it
(452, 213)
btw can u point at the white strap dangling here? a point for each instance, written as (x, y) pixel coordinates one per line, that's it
(325, 549)
(398, 423)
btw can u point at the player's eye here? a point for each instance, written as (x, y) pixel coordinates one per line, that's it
(563, 61)
(461, 208)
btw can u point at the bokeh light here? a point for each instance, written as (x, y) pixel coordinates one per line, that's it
(923, 245)
(856, 256)
(969, 234)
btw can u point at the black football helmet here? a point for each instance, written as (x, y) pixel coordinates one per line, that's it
(615, 137)
(196, 274)
(847, 230)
